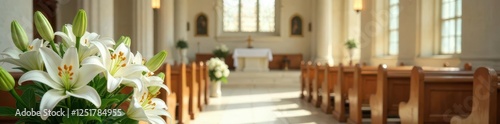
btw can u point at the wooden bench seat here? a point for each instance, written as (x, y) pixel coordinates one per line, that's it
(318, 80)
(180, 88)
(485, 99)
(432, 97)
(308, 81)
(394, 88)
(327, 88)
(193, 85)
(201, 74)
(345, 80)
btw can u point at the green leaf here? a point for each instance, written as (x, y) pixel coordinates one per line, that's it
(29, 98)
(108, 101)
(92, 118)
(7, 111)
(129, 121)
(71, 120)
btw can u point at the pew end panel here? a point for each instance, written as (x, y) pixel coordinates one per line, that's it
(378, 101)
(332, 79)
(408, 111)
(485, 108)
(193, 90)
(364, 85)
(319, 78)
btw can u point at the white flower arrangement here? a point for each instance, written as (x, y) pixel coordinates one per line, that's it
(218, 70)
(221, 51)
(83, 72)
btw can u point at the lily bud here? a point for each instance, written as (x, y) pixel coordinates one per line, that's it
(155, 89)
(154, 63)
(80, 23)
(43, 26)
(123, 39)
(6, 80)
(19, 36)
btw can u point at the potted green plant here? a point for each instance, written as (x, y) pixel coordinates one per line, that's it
(221, 52)
(182, 47)
(351, 45)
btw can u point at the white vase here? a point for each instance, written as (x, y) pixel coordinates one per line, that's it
(351, 54)
(215, 89)
(183, 56)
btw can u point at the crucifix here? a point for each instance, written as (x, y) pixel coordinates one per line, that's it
(249, 42)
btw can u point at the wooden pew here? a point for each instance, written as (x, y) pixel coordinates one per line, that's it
(180, 87)
(318, 80)
(365, 81)
(193, 90)
(170, 99)
(432, 98)
(207, 83)
(332, 79)
(303, 78)
(393, 85)
(201, 81)
(485, 99)
(309, 79)
(346, 78)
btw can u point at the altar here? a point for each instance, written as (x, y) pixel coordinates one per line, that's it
(253, 59)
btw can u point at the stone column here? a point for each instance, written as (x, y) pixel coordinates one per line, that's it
(180, 23)
(142, 38)
(100, 16)
(166, 29)
(323, 30)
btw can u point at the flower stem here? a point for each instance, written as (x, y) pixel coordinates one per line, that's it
(78, 43)
(14, 94)
(68, 101)
(61, 49)
(53, 46)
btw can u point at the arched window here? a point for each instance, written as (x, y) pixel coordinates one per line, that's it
(393, 29)
(249, 16)
(451, 27)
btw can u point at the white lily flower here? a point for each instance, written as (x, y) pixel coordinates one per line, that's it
(119, 68)
(145, 107)
(87, 42)
(30, 60)
(65, 78)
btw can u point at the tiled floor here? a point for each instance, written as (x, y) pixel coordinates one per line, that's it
(266, 99)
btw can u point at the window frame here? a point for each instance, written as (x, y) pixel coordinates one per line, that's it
(388, 30)
(439, 29)
(221, 32)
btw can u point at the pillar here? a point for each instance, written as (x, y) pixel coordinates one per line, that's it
(142, 36)
(323, 30)
(166, 29)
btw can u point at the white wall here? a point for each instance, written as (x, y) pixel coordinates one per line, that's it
(280, 44)
(20, 10)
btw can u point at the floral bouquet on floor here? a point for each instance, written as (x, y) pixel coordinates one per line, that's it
(82, 78)
(221, 51)
(218, 72)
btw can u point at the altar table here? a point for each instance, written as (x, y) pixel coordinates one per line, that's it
(253, 59)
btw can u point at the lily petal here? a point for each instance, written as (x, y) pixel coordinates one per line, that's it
(113, 83)
(88, 93)
(71, 59)
(42, 77)
(50, 99)
(160, 104)
(52, 61)
(128, 71)
(156, 120)
(133, 83)
(88, 72)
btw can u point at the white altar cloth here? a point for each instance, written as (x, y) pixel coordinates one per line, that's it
(255, 59)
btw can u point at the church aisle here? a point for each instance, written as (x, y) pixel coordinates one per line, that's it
(259, 99)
